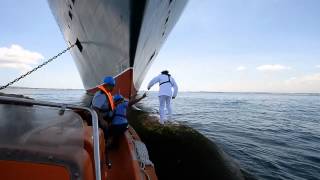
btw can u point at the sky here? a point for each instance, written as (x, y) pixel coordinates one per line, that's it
(217, 45)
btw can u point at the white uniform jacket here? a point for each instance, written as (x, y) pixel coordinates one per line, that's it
(165, 85)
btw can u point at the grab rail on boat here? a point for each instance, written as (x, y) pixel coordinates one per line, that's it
(94, 119)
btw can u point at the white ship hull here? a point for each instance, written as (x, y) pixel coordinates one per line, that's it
(119, 38)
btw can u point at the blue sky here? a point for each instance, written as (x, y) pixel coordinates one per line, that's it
(231, 45)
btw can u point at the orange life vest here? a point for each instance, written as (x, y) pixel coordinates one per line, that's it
(111, 103)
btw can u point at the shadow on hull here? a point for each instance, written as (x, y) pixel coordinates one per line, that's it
(180, 152)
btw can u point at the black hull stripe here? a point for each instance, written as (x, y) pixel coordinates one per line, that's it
(137, 11)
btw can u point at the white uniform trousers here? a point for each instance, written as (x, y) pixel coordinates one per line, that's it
(165, 101)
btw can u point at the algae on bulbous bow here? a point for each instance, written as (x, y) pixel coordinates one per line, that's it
(180, 152)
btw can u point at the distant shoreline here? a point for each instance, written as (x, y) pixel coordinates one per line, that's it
(17, 87)
(216, 92)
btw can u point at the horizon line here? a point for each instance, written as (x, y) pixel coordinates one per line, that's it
(201, 91)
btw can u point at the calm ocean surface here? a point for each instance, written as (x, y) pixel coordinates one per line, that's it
(271, 136)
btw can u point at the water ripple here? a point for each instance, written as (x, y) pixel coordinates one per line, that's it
(272, 136)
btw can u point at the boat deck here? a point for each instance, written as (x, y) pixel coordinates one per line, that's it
(39, 142)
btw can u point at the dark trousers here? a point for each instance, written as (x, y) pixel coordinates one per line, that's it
(116, 131)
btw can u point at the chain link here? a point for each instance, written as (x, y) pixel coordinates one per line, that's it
(36, 68)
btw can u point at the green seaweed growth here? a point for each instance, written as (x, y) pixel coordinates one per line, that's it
(180, 152)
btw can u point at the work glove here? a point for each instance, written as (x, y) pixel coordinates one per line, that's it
(144, 95)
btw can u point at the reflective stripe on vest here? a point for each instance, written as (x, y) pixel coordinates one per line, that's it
(108, 95)
(121, 115)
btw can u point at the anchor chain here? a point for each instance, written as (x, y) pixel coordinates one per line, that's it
(36, 68)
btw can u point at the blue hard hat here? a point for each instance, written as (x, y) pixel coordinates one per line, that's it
(117, 97)
(109, 80)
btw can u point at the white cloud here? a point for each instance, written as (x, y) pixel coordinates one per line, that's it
(317, 66)
(241, 68)
(306, 83)
(22, 67)
(272, 67)
(18, 58)
(305, 79)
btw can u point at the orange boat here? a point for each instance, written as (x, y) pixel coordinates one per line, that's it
(44, 140)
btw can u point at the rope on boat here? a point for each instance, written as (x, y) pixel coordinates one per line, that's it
(146, 174)
(36, 68)
(142, 156)
(142, 153)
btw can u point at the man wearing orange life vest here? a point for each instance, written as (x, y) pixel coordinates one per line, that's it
(103, 103)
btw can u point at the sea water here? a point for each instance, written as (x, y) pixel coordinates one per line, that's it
(271, 136)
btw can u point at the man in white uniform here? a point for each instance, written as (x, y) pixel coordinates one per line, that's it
(166, 83)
